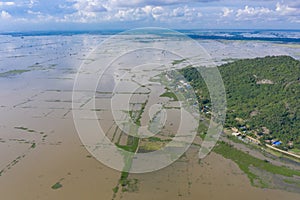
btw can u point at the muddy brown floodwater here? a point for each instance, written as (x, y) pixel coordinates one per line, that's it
(214, 178)
(42, 157)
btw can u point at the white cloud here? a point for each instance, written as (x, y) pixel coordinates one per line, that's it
(186, 13)
(34, 13)
(149, 12)
(157, 12)
(292, 14)
(226, 12)
(89, 6)
(285, 9)
(32, 3)
(147, 9)
(5, 15)
(178, 12)
(140, 12)
(7, 3)
(174, 13)
(85, 11)
(141, 3)
(281, 12)
(251, 11)
(133, 14)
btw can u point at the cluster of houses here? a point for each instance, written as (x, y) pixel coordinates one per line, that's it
(182, 84)
(241, 132)
(273, 142)
(244, 137)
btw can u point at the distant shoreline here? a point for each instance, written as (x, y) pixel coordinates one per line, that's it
(285, 36)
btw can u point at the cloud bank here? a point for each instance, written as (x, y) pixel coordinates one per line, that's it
(170, 13)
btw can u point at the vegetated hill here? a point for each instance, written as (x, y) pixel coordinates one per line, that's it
(263, 94)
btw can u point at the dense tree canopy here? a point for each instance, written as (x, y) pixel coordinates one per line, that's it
(263, 95)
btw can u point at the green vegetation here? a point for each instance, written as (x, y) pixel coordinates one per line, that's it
(171, 107)
(116, 189)
(176, 62)
(293, 182)
(262, 96)
(245, 161)
(131, 146)
(123, 179)
(33, 145)
(27, 129)
(202, 129)
(56, 186)
(13, 72)
(131, 185)
(170, 95)
(155, 139)
(21, 128)
(153, 144)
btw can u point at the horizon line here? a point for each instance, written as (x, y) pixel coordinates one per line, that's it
(122, 30)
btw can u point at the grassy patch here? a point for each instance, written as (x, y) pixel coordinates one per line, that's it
(56, 186)
(172, 107)
(154, 139)
(13, 72)
(245, 161)
(132, 144)
(27, 129)
(170, 95)
(295, 151)
(152, 146)
(176, 62)
(293, 182)
(33, 146)
(21, 128)
(123, 179)
(130, 112)
(202, 130)
(116, 189)
(132, 186)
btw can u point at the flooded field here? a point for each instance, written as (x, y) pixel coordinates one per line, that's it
(212, 178)
(41, 154)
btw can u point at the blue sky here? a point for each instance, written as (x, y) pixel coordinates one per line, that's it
(122, 14)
